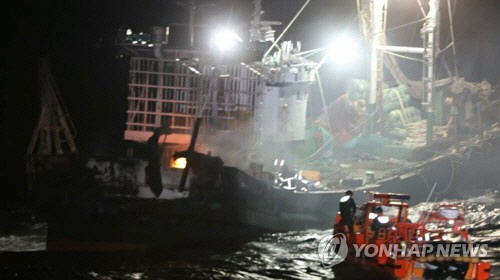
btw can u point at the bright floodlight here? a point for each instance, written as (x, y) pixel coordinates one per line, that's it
(344, 51)
(225, 40)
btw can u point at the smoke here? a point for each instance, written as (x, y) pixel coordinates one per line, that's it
(240, 148)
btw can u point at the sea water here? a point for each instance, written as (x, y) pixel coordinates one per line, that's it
(289, 255)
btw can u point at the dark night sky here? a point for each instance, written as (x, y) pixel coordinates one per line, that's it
(78, 36)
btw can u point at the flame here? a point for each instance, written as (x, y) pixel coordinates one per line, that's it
(179, 163)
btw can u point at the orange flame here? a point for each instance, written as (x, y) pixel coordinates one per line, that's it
(179, 163)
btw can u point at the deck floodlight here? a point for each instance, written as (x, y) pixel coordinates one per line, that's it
(225, 40)
(344, 51)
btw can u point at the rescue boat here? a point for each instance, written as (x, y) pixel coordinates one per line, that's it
(402, 249)
(446, 224)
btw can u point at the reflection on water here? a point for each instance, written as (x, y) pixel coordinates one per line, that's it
(291, 255)
(30, 239)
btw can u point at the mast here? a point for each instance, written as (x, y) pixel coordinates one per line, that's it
(52, 134)
(255, 26)
(376, 65)
(430, 39)
(192, 11)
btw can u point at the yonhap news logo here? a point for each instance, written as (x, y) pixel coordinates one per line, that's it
(332, 249)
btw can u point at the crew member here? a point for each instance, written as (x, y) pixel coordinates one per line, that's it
(380, 221)
(347, 208)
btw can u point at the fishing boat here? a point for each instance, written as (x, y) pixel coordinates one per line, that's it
(208, 144)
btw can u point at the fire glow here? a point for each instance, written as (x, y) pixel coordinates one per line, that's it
(179, 163)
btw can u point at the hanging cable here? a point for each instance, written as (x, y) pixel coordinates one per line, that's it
(333, 137)
(421, 7)
(452, 37)
(444, 49)
(286, 28)
(384, 13)
(403, 56)
(406, 24)
(452, 175)
(310, 54)
(414, 31)
(323, 100)
(446, 67)
(313, 51)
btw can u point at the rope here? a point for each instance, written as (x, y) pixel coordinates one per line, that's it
(402, 118)
(403, 56)
(413, 33)
(444, 49)
(403, 108)
(452, 37)
(309, 52)
(404, 25)
(323, 100)
(286, 28)
(333, 137)
(452, 175)
(421, 7)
